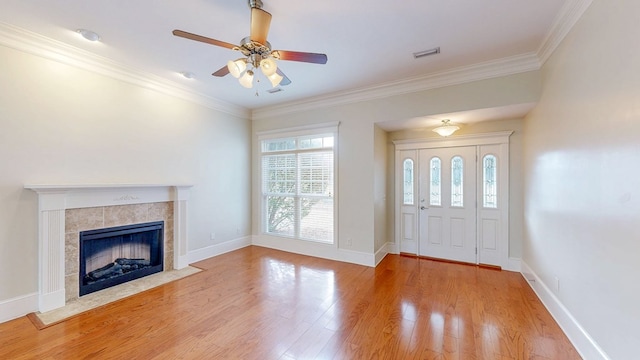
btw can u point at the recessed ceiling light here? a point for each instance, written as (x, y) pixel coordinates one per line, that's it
(420, 54)
(187, 74)
(88, 34)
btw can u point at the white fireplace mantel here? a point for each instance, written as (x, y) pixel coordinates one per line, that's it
(53, 200)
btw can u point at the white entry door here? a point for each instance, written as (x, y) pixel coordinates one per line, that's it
(447, 203)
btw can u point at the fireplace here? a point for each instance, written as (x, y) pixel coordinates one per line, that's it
(66, 210)
(112, 256)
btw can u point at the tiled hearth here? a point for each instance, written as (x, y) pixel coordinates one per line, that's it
(65, 210)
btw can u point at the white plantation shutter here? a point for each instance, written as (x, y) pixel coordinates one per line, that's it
(298, 174)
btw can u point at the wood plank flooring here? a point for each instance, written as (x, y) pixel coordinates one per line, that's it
(258, 303)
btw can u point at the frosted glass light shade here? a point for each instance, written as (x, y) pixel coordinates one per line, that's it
(247, 79)
(268, 67)
(446, 129)
(275, 79)
(236, 67)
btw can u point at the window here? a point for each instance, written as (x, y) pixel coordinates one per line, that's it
(457, 181)
(408, 182)
(435, 198)
(490, 182)
(298, 187)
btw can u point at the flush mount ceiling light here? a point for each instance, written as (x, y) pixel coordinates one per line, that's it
(187, 74)
(446, 128)
(88, 34)
(257, 52)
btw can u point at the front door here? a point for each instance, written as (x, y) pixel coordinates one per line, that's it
(447, 203)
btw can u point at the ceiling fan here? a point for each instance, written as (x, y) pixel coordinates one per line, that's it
(257, 51)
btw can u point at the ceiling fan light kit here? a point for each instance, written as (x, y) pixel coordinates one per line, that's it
(446, 129)
(257, 51)
(246, 80)
(237, 67)
(268, 66)
(275, 79)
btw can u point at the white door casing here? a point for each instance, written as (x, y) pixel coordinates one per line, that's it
(491, 223)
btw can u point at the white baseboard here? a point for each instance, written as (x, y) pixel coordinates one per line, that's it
(218, 249)
(583, 342)
(309, 248)
(19, 306)
(388, 248)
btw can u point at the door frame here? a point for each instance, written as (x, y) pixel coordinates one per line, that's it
(501, 139)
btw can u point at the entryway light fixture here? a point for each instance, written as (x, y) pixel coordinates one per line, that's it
(446, 128)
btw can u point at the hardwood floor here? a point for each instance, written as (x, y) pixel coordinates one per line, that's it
(258, 303)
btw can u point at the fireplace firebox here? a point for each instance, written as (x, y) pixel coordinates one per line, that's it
(112, 256)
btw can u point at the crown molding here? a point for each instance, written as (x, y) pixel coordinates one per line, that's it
(481, 71)
(29, 42)
(569, 14)
(38, 45)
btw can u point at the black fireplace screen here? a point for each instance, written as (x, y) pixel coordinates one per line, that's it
(112, 256)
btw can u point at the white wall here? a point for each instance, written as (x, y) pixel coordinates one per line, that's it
(359, 154)
(62, 125)
(582, 150)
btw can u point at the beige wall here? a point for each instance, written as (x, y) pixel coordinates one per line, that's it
(582, 150)
(381, 167)
(62, 125)
(359, 153)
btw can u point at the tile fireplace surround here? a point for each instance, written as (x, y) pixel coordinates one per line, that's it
(54, 201)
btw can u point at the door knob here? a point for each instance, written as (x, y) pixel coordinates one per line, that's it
(423, 208)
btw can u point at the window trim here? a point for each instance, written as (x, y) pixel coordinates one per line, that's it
(302, 131)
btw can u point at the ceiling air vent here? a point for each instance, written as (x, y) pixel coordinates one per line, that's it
(424, 53)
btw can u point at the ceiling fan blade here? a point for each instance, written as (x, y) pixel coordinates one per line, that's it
(260, 22)
(285, 80)
(204, 39)
(300, 56)
(222, 71)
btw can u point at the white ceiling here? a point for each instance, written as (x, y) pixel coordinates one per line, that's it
(368, 43)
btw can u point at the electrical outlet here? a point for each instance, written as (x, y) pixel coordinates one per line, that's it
(349, 242)
(213, 236)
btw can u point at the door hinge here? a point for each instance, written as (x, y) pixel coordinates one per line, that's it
(476, 251)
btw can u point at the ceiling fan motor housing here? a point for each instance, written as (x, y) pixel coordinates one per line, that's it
(254, 50)
(255, 4)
